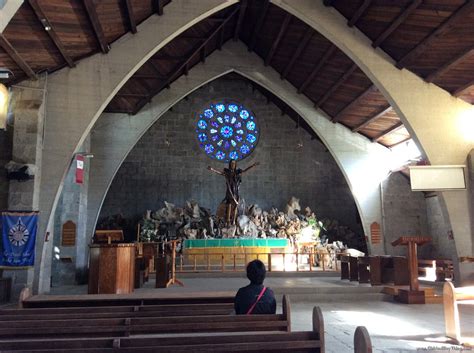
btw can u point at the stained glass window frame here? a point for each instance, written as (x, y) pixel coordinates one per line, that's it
(234, 141)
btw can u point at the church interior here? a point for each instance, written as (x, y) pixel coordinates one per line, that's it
(153, 152)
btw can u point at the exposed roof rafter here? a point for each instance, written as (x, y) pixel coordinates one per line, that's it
(6, 45)
(388, 131)
(278, 38)
(98, 31)
(449, 65)
(131, 17)
(50, 30)
(317, 68)
(461, 89)
(374, 117)
(445, 27)
(158, 6)
(258, 25)
(354, 102)
(358, 14)
(336, 85)
(303, 43)
(182, 66)
(243, 7)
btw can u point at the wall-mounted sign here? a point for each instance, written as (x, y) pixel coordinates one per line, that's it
(437, 177)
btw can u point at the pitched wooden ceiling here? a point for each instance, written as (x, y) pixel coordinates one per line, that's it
(434, 39)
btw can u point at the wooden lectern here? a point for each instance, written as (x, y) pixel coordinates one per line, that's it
(111, 268)
(412, 295)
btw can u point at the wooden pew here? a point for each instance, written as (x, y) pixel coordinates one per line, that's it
(311, 341)
(443, 268)
(116, 311)
(452, 298)
(54, 301)
(45, 327)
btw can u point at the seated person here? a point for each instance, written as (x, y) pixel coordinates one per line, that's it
(255, 298)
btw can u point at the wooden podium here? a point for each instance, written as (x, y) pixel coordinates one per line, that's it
(412, 295)
(111, 268)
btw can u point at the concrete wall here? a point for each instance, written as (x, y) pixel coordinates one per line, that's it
(167, 164)
(6, 141)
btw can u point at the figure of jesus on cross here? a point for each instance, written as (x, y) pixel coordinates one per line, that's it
(233, 178)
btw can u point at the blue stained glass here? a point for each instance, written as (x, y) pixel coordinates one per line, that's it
(244, 114)
(227, 131)
(208, 113)
(220, 155)
(251, 138)
(233, 108)
(202, 124)
(244, 149)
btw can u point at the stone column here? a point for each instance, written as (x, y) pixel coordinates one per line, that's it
(29, 113)
(69, 263)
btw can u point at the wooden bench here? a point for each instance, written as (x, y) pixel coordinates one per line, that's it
(442, 268)
(312, 341)
(91, 326)
(99, 312)
(54, 301)
(452, 298)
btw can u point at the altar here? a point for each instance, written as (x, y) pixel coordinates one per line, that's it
(211, 253)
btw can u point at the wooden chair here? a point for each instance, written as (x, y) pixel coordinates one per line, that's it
(452, 298)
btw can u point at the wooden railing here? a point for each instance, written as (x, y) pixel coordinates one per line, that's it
(275, 262)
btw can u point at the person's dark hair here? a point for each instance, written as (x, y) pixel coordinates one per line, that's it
(256, 271)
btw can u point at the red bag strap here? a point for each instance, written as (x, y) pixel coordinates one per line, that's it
(258, 299)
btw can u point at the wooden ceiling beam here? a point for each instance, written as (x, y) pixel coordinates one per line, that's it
(317, 68)
(445, 27)
(131, 17)
(147, 77)
(396, 23)
(158, 6)
(6, 45)
(117, 111)
(182, 66)
(258, 25)
(358, 14)
(240, 19)
(374, 117)
(399, 142)
(328, 2)
(96, 26)
(50, 30)
(449, 65)
(301, 46)
(354, 102)
(388, 131)
(461, 89)
(336, 85)
(278, 38)
(136, 95)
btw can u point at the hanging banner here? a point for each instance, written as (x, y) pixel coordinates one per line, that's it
(18, 230)
(79, 169)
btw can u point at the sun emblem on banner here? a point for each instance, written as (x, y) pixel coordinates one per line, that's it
(18, 234)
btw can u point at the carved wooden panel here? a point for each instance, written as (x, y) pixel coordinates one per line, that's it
(68, 237)
(375, 233)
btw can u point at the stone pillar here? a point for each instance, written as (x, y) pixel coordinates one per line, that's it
(6, 141)
(29, 113)
(69, 263)
(467, 268)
